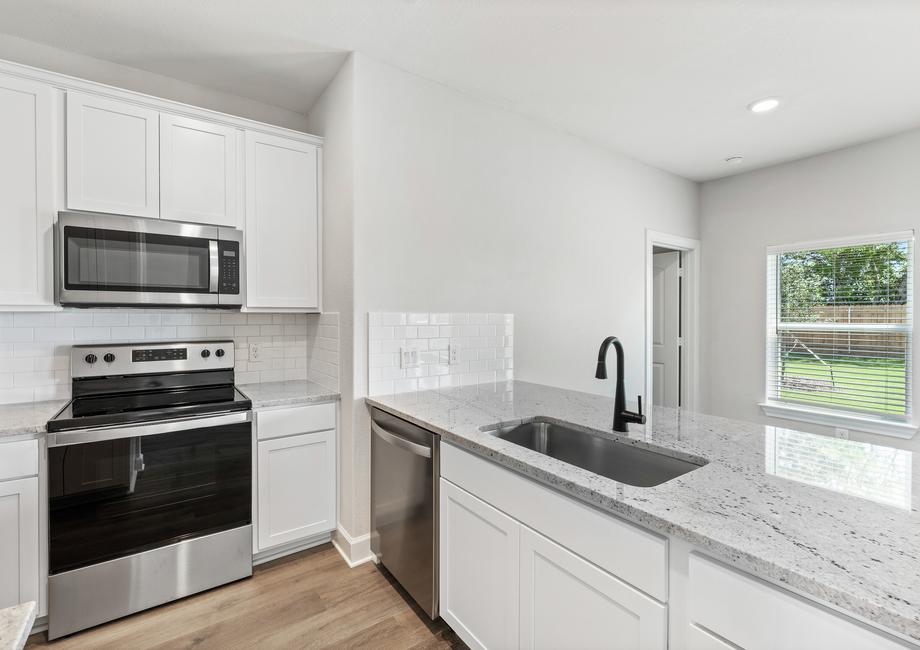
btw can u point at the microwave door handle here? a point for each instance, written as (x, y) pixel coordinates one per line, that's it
(215, 265)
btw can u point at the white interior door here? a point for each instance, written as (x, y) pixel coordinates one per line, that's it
(666, 329)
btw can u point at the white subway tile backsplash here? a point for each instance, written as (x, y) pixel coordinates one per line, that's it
(482, 340)
(146, 319)
(28, 319)
(14, 334)
(54, 334)
(177, 319)
(110, 318)
(35, 347)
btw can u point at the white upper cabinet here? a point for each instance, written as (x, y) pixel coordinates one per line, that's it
(112, 156)
(283, 225)
(26, 193)
(199, 176)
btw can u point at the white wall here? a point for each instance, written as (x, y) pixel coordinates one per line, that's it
(46, 57)
(333, 118)
(463, 206)
(871, 188)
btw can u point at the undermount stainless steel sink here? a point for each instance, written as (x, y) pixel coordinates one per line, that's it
(620, 461)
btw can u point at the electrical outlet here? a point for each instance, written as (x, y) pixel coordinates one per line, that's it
(408, 358)
(842, 433)
(454, 356)
(255, 351)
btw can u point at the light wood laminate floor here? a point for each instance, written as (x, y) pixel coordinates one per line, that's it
(308, 600)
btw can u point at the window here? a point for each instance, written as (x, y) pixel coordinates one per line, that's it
(839, 328)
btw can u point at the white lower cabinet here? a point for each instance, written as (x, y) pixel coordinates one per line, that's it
(296, 474)
(728, 609)
(504, 585)
(19, 544)
(523, 566)
(567, 602)
(479, 564)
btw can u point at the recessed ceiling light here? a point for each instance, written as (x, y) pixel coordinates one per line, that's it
(764, 105)
(734, 160)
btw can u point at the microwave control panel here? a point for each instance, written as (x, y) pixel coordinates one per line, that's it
(229, 275)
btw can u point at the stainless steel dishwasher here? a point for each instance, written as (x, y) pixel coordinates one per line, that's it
(405, 467)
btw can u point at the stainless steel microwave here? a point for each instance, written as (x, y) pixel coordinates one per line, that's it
(112, 260)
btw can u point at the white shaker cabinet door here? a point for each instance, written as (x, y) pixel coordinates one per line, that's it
(283, 259)
(112, 156)
(26, 194)
(479, 564)
(296, 488)
(19, 548)
(567, 602)
(199, 176)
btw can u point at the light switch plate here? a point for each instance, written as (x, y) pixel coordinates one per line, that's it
(408, 358)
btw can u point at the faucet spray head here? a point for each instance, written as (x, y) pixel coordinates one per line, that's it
(601, 370)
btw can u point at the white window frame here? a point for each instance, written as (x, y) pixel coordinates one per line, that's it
(828, 416)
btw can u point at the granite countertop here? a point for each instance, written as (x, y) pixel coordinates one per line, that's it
(15, 625)
(27, 419)
(287, 393)
(831, 518)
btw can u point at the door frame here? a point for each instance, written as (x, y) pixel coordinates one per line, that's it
(690, 348)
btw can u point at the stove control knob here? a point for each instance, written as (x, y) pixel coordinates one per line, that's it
(205, 354)
(109, 357)
(219, 352)
(90, 359)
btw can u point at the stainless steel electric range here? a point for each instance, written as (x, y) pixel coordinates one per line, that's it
(150, 481)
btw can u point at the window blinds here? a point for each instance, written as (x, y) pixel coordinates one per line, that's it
(839, 326)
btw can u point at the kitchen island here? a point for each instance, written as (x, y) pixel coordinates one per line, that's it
(833, 520)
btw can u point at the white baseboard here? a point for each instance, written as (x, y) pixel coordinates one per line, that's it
(354, 550)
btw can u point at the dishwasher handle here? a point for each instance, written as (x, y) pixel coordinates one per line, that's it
(402, 443)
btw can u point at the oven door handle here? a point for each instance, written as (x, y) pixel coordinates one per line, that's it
(83, 436)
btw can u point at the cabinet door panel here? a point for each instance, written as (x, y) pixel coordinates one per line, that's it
(18, 541)
(749, 613)
(568, 602)
(282, 223)
(26, 194)
(296, 486)
(479, 564)
(112, 156)
(199, 178)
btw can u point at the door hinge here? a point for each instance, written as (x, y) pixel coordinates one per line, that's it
(680, 340)
(680, 273)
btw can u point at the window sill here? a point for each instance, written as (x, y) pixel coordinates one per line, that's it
(904, 430)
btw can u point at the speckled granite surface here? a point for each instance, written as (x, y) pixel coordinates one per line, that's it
(27, 419)
(15, 624)
(831, 518)
(287, 393)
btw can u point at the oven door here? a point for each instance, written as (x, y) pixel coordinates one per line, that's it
(122, 491)
(113, 260)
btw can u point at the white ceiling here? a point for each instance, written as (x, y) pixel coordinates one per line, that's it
(665, 82)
